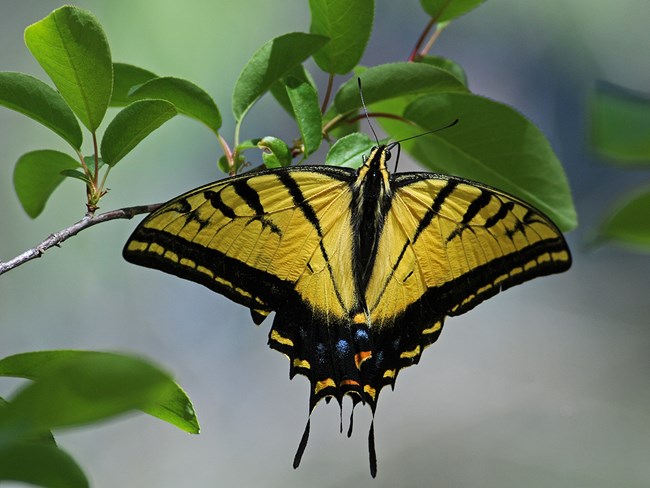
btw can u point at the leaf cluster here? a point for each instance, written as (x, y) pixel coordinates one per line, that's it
(492, 143)
(620, 133)
(73, 388)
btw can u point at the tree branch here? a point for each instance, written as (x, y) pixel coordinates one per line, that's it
(58, 238)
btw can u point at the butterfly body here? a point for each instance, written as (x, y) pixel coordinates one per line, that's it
(360, 267)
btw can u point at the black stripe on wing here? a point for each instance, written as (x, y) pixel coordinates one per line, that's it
(241, 283)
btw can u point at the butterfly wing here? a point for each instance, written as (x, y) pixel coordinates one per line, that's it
(253, 237)
(282, 240)
(447, 245)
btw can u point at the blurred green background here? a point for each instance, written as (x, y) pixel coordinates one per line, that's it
(546, 385)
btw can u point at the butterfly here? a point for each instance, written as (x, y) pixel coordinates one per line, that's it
(361, 267)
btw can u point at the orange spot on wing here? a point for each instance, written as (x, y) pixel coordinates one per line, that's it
(360, 357)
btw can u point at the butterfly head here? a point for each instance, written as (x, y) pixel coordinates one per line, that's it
(373, 171)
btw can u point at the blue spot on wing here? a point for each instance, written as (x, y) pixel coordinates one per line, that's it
(342, 347)
(361, 334)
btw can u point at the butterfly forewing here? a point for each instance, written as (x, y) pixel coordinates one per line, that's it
(472, 240)
(253, 237)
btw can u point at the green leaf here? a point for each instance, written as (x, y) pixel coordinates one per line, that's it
(132, 124)
(90, 163)
(36, 176)
(41, 465)
(175, 408)
(8, 434)
(349, 150)
(223, 164)
(172, 405)
(279, 91)
(629, 223)
(443, 10)
(80, 175)
(304, 100)
(37, 100)
(275, 152)
(188, 99)
(80, 387)
(494, 144)
(248, 144)
(125, 77)
(620, 124)
(348, 25)
(394, 80)
(76, 174)
(72, 48)
(446, 64)
(270, 63)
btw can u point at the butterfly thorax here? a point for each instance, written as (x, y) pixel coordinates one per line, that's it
(369, 206)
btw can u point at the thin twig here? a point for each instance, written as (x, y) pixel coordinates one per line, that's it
(416, 53)
(328, 93)
(425, 50)
(375, 115)
(227, 152)
(340, 119)
(96, 172)
(425, 32)
(333, 123)
(58, 238)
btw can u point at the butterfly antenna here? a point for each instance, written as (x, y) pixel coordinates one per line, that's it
(365, 111)
(396, 143)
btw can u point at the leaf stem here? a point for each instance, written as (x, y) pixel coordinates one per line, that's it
(227, 152)
(425, 50)
(101, 187)
(385, 115)
(61, 236)
(328, 93)
(235, 153)
(416, 53)
(83, 163)
(96, 154)
(237, 128)
(333, 123)
(343, 119)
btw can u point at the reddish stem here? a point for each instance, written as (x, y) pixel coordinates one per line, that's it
(425, 33)
(328, 93)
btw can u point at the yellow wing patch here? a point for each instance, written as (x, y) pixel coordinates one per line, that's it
(463, 239)
(289, 227)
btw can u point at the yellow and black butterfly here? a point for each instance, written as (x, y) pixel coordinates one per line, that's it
(361, 267)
